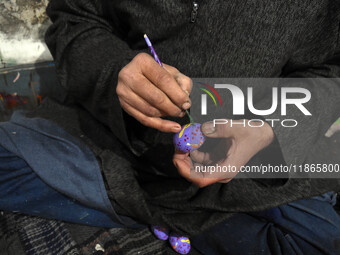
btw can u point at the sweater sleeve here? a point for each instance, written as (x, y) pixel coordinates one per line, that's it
(322, 80)
(88, 55)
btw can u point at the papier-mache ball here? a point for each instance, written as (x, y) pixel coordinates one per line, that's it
(190, 138)
(181, 244)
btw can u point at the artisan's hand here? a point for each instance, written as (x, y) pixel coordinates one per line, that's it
(236, 146)
(147, 92)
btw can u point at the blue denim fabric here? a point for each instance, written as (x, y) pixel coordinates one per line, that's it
(22, 190)
(58, 158)
(304, 227)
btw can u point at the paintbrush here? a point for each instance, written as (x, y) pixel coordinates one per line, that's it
(153, 52)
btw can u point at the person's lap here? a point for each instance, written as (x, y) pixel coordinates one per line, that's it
(309, 226)
(303, 227)
(21, 190)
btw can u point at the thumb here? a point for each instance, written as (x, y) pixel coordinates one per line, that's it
(216, 130)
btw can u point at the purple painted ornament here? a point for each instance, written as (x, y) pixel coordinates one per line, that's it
(160, 233)
(181, 244)
(190, 138)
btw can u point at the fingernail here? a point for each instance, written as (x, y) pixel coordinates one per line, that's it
(176, 128)
(208, 128)
(181, 114)
(186, 105)
(187, 92)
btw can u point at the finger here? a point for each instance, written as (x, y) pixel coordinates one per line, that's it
(225, 180)
(182, 167)
(200, 157)
(161, 78)
(154, 96)
(185, 171)
(173, 70)
(215, 130)
(202, 179)
(184, 81)
(144, 107)
(156, 123)
(203, 182)
(180, 155)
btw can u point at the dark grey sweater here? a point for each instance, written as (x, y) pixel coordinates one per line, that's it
(92, 40)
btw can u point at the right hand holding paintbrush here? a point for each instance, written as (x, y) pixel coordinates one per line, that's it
(147, 92)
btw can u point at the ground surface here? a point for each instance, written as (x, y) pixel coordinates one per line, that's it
(22, 27)
(25, 17)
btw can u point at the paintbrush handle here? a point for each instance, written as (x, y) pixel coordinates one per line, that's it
(148, 42)
(153, 52)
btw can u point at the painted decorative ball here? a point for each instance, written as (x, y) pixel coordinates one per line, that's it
(160, 232)
(190, 138)
(181, 244)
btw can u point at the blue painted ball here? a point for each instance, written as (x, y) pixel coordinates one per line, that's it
(190, 138)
